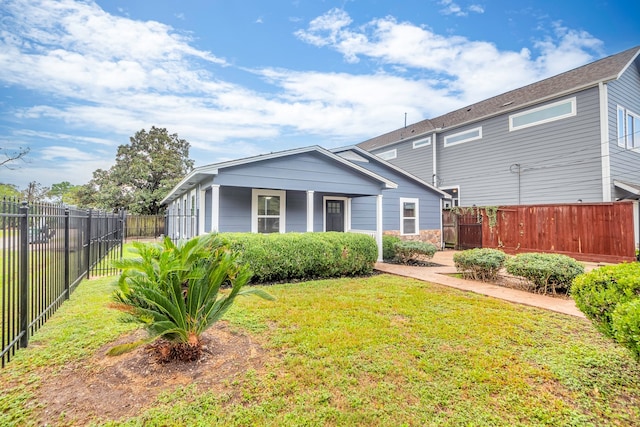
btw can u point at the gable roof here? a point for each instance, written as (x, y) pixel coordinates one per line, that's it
(589, 75)
(372, 157)
(202, 172)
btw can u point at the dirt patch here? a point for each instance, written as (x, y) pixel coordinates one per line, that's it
(119, 387)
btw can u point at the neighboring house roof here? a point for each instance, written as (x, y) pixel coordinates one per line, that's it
(372, 157)
(603, 70)
(202, 172)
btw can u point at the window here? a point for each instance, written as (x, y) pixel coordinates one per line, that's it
(460, 137)
(628, 129)
(409, 216)
(422, 142)
(388, 155)
(267, 211)
(545, 114)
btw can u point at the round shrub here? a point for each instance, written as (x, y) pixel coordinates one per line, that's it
(548, 272)
(626, 325)
(412, 250)
(598, 293)
(479, 264)
(388, 249)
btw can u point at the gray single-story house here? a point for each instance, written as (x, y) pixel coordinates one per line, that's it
(307, 189)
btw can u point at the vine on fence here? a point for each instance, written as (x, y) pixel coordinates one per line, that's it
(491, 212)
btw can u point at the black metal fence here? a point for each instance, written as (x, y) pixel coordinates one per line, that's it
(46, 250)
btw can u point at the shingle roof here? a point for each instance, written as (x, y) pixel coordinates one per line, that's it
(606, 69)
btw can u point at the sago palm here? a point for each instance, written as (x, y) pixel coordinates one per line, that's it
(174, 290)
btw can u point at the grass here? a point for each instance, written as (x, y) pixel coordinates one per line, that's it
(376, 351)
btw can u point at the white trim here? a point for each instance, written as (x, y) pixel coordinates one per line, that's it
(201, 209)
(388, 155)
(379, 226)
(477, 130)
(404, 200)
(347, 211)
(422, 142)
(604, 143)
(255, 193)
(451, 200)
(571, 101)
(310, 194)
(622, 139)
(434, 175)
(215, 208)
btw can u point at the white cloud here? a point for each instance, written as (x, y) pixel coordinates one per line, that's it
(452, 8)
(470, 70)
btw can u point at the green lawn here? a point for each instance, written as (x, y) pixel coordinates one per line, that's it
(380, 351)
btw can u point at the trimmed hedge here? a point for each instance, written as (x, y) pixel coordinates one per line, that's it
(599, 292)
(479, 264)
(302, 256)
(411, 250)
(548, 272)
(610, 297)
(388, 249)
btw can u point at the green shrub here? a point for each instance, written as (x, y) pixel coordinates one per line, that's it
(302, 256)
(388, 249)
(548, 272)
(173, 291)
(626, 325)
(479, 264)
(599, 292)
(412, 250)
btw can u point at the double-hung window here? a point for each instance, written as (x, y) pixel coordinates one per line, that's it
(268, 211)
(628, 129)
(409, 218)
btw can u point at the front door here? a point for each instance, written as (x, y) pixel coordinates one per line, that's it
(335, 215)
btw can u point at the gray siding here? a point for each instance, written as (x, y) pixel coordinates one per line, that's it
(364, 208)
(625, 164)
(560, 160)
(235, 209)
(306, 171)
(418, 161)
(296, 216)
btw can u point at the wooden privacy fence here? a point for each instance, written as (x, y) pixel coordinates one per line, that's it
(604, 232)
(143, 226)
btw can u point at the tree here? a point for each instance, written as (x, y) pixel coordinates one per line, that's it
(9, 191)
(12, 156)
(60, 191)
(144, 173)
(34, 192)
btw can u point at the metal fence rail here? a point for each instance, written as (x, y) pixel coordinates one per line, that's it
(45, 252)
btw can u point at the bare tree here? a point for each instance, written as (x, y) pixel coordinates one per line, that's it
(12, 156)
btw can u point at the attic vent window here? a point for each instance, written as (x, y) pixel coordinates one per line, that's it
(460, 137)
(423, 142)
(388, 155)
(545, 114)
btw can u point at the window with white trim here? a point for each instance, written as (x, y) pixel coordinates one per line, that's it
(628, 129)
(409, 217)
(460, 137)
(423, 142)
(545, 114)
(388, 155)
(268, 211)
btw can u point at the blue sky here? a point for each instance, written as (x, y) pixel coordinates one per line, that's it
(245, 77)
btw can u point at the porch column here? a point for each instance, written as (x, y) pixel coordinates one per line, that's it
(215, 208)
(310, 194)
(379, 225)
(201, 196)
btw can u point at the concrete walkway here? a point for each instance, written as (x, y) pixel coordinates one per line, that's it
(441, 276)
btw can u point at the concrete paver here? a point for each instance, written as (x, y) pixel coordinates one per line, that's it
(442, 276)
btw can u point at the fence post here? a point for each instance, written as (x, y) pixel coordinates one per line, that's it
(88, 254)
(24, 272)
(67, 253)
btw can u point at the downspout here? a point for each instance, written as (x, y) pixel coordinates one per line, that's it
(434, 179)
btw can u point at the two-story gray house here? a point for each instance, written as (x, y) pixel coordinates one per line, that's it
(574, 137)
